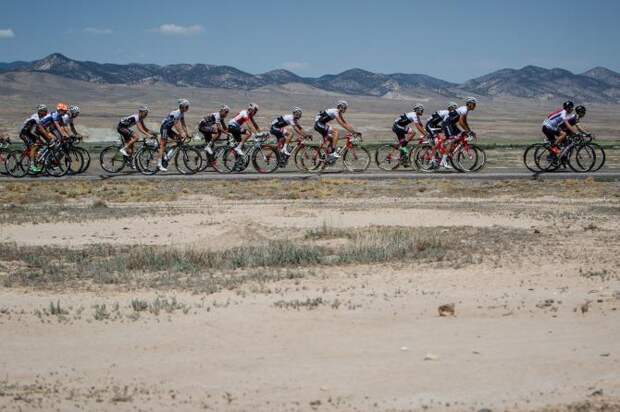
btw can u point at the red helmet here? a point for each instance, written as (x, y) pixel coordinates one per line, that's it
(62, 106)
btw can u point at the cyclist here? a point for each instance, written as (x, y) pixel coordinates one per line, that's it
(463, 111)
(32, 130)
(573, 120)
(404, 132)
(213, 124)
(330, 135)
(54, 123)
(445, 121)
(284, 127)
(237, 127)
(69, 118)
(129, 136)
(552, 129)
(172, 127)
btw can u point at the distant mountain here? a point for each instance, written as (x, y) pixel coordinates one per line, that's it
(598, 84)
(538, 82)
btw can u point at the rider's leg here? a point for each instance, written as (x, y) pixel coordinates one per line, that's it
(244, 138)
(334, 141)
(288, 136)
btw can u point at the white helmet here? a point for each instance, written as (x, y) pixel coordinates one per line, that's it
(253, 106)
(471, 100)
(452, 106)
(418, 108)
(224, 108)
(42, 108)
(183, 103)
(143, 109)
(74, 110)
(297, 112)
(342, 104)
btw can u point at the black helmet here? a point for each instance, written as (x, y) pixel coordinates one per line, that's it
(568, 105)
(580, 110)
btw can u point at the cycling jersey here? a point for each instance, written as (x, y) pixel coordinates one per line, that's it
(571, 120)
(284, 121)
(130, 121)
(46, 121)
(172, 118)
(406, 119)
(242, 118)
(462, 111)
(67, 120)
(326, 116)
(58, 118)
(31, 123)
(556, 119)
(213, 119)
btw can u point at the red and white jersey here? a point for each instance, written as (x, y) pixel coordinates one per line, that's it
(556, 119)
(242, 118)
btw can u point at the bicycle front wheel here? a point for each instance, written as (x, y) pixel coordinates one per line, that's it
(112, 160)
(388, 157)
(265, 159)
(188, 160)
(356, 159)
(582, 159)
(146, 160)
(17, 164)
(601, 157)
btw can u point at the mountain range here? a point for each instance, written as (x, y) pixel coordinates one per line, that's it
(596, 85)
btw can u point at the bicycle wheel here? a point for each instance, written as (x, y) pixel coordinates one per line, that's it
(388, 157)
(266, 159)
(581, 159)
(57, 163)
(85, 158)
(112, 160)
(188, 160)
(14, 164)
(466, 160)
(601, 157)
(530, 155)
(77, 161)
(4, 154)
(424, 158)
(306, 158)
(234, 162)
(146, 160)
(356, 159)
(546, 160)
(482, 158)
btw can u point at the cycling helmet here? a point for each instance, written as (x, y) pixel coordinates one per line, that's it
(253, 107)
(342, 104)
(183, 104)
(471, 100)
(418, 108)
(42, 108)
(62, 106)
(297, 112)
(580, 110)
(568, 105)
(74, 110)
(452, 106)
(224, 108)
(143, 109)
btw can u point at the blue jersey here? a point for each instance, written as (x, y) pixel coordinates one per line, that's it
(172, 118)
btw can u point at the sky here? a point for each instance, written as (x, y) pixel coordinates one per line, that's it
(454, 40)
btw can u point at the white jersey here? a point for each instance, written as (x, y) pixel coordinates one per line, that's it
(326, 116)
(556, 119)
(67, 119)
(462, 111)
(31, 123)
(172, 118)
(284, 121)
(444, 114)
(130, 121)
(408, 118)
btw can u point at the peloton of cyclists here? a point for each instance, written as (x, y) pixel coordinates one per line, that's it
(562, 122)
(329, 134)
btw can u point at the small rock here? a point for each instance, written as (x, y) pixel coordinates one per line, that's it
(605, 355)
(404, 348)
(598, 392)
(446, 310)
(431, 357)
(537, 232)
(585, 307)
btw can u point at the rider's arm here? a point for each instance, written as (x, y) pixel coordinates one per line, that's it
(143, 129)
(223, 125)
(420, 128)
(60, 129)
(581, 129)
(298, 129)
(344, 124)
(463, 124)
(73, 129)
(570, 128)
(44, 132)
(184, 127)
(256, 128)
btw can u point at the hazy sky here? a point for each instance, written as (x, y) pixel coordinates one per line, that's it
(451, 39)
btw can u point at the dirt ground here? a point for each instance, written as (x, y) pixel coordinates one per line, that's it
(160, 296)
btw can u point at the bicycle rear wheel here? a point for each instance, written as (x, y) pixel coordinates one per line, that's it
(188, 160)
(466, 160)
(112, 160)
(424, 158)
(146, 160)
(15, 164)
(4, 153)
(546, 160)
(388, 157)
(57, 163)
(266, 159)
(530, 155)
(356, 159)
(85, 158)
(308, 159)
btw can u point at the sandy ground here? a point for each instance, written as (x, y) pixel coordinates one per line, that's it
(536, 325)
